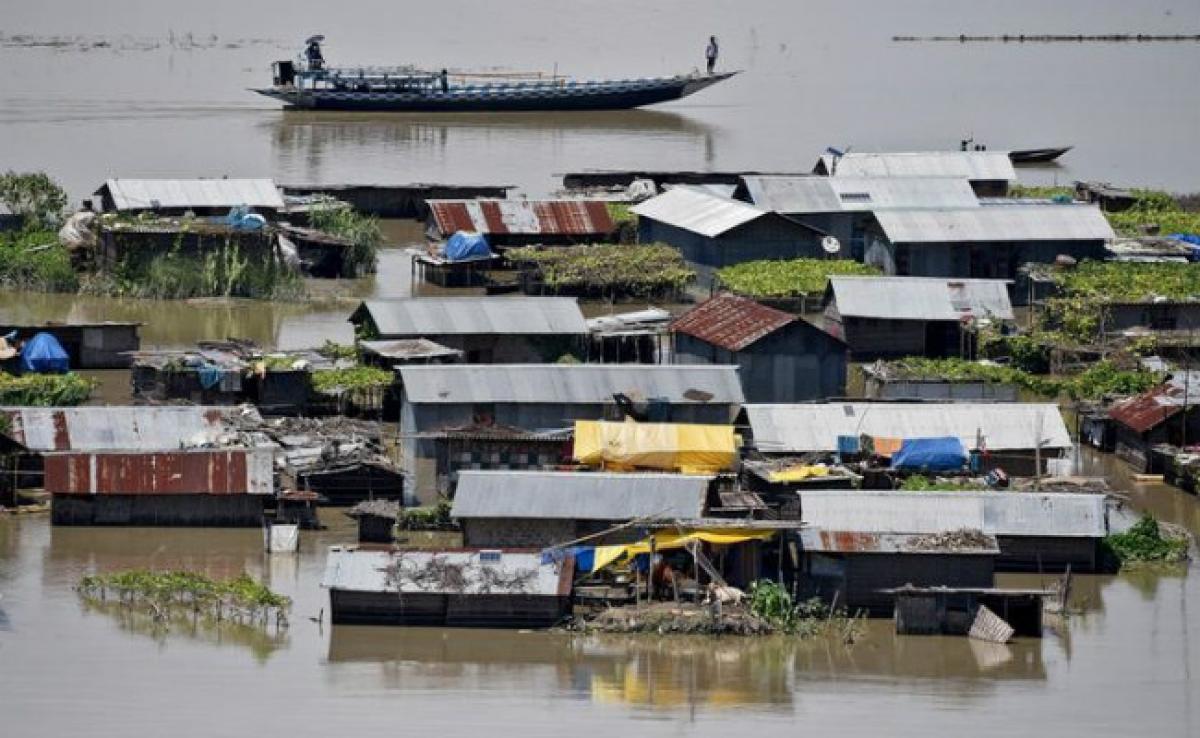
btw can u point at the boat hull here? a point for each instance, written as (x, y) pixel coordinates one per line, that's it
(585, 96)
(1037, 156)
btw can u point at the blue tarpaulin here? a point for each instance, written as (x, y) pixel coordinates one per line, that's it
(42, 354)
(930, 454)
(464, 245)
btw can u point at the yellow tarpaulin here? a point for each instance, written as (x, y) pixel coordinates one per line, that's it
(664, 540)
(691, 449)
(799, 473)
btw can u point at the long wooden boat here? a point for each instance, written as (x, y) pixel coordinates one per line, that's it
(405, 89)
(1037, 156)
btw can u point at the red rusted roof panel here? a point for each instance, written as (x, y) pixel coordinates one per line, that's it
(731, 322)
(528, 217)
(1151, 408)
(212, 472)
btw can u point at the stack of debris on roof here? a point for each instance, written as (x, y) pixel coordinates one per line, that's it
(344, 460)
(229, 373)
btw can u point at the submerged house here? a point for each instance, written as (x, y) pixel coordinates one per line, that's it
(98, 345)
(1163, 415)
(912, 316)
(713, 231)
(780, 357)
(522, 222)
(538, 509)
(1004, 435)
(855, 568)
(1035, 531)
(520, 416)
(145, 465)
(990, 173)
(179, 196)
(843, 206)
(462, 587)
(509, 330)
(992, 241)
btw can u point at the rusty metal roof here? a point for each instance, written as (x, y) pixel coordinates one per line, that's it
(864, 542)
(122, 428)
(531, 217)
(1157, 405)
(731, 322)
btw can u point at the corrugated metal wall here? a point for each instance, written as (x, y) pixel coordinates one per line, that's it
(219, 472)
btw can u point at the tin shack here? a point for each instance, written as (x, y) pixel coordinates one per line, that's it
(506, 330)
(1163, 415)
(508, 223)
(780, 357)
(146, 465)
(1035, 531)
(712, 231)
(855, 568)
(912, 316)
(196, 196)
(97, 345)
(990, 173)
(843, 206)
(538, 509)
(1001, 435)
(992, 241)
(520, 416)
(490, 588)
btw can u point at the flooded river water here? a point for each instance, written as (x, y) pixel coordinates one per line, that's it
(158, 89)
(1127, 662)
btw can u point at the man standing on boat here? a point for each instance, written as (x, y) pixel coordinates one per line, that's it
(710, 54)
(313, 53)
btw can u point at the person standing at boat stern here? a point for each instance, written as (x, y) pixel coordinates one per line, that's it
(710, 53)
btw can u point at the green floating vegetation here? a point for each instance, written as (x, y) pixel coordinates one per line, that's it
(351, 380)
(637, 270)
(1102, 378)
(224, 270)
(164, 594)
(45, 390)
(1155, 208)
(434, 517)
(620, 213)
(361, 231)
(771, 602)
(1145, 543)
(33, 259)
(1130, 281)
(335, 350)
(918, 483)
(790, 278)
(1040, 192)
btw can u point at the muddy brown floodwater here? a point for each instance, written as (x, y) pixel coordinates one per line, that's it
(1125, 663)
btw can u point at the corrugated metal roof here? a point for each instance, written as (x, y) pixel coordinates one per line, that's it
(568, 384)
(119, 428)
(817, 194)
(1051, 514)
(154, 194)
(839, 541)
(529, 217)
(1157, 405)
(697, 211)
(731, 321)
(365, 570)
(434, 316)
(974, 165)
(578, 495)
(1066, 222)
(920, 298)
(804, 427)
(408, 348)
